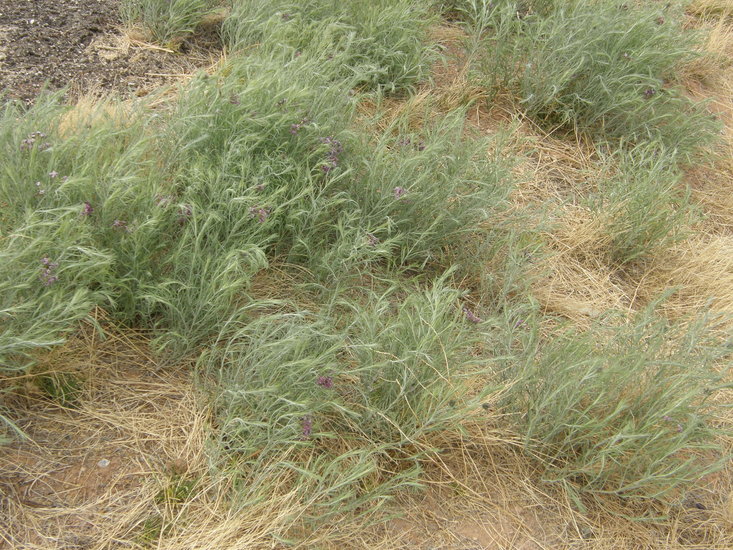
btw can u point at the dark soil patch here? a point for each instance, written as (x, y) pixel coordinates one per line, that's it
(78, 43)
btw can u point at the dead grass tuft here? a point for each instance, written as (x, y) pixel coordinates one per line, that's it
(710, 7)
(93, 109)
(713, 68)
(91, 469)
(576, 280)
(701, 269)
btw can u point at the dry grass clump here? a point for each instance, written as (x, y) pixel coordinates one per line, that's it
(710, 7)
(713, 67)
(711, 189)
(553, 168)
(701, 271)
(93, 110)
(483, 492)
(95, 458)
(122, 460)
(577, 281)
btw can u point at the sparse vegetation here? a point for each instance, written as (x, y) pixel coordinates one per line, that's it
(351, 287)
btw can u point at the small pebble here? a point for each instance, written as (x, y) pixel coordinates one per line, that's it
(103, 463)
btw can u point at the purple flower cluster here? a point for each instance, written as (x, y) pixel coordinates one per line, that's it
(332, 157)
(260, 213)
(399, 192)
(31, 139)
(184, 213)
(407, 142)
(471, 316)
(649, 92)
(325, 382)
(294, 128)
(48, 275)
(87, 209)
(307, 427)
(120, 224)
(372, 239)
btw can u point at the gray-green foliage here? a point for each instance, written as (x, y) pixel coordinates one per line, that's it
(423, 191)
(167, 21)
(342, 404)
(598, 68)
(381, 44)
(644, 205)
(627, 410)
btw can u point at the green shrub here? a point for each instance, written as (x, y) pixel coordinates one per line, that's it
(330, 410)
(167, 21)
(644, 205)
(380, 44)
(600, 69)
(626, 411)
(422, 191)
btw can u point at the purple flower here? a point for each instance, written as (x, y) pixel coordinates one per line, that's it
(406, 142)
(260, 213)
(119, 224)
(48, 276)
(87, 209)
(48, 279)
(184, 213)
(295, 127)
(53, 174)
(332, 156)
(471, 316)
(399, 192)
(325, 382)
(30, 140)
(307, 427)
(649, 92)
(372, 239)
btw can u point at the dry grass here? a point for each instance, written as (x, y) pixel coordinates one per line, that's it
(142, 420)
(577, 281)
(701, 269)
(710, 7)
(95, 109)
(484, 492)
